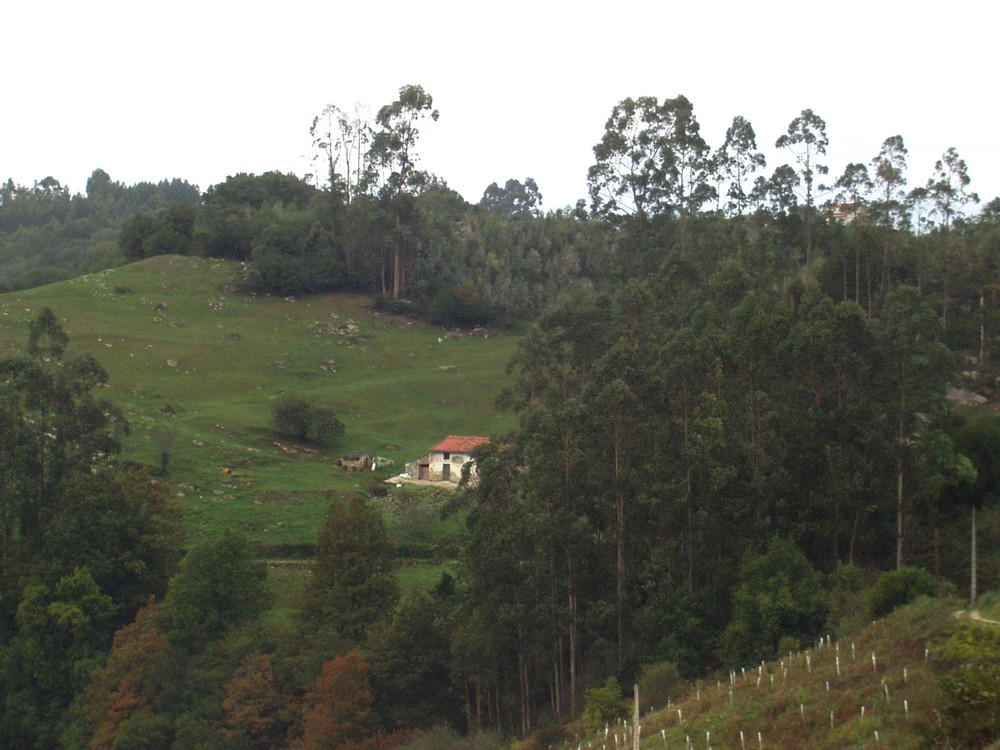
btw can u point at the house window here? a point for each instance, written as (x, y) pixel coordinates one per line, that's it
(447, 456)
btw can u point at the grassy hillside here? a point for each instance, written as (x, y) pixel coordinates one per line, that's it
(196, 368)
(876, 689)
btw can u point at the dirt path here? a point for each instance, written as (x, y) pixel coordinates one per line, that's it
(977, 616)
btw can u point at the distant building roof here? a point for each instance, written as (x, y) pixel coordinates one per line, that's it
(459, 444)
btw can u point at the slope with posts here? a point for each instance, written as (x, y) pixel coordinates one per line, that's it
(877, 688)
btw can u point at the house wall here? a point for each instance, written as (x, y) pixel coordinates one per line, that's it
(436, 463)
(456, 462)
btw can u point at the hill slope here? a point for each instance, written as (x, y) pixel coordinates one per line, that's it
(875, 689)
(196, 368)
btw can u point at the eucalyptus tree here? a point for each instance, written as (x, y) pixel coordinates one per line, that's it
(632, 161)
(853, 188)
(687, 184)
(619, 411)
(341, 140)
(835, 410)
(979, 440)
(513, 199)
(889, 197)
(738, 160)
(914, 371)
(780, 190)
(949, 196)
(392, 166)
(552, 381)
(509, 606)
(806, 139)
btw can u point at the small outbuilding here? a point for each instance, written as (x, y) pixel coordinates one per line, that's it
(355, 462)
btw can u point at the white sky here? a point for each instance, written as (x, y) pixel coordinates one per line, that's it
(205, 89)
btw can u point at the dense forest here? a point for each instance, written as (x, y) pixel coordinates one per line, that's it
(732, 429)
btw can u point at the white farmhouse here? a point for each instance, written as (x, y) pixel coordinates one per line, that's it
(446, 460)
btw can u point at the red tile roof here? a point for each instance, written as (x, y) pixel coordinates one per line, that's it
(459, 444)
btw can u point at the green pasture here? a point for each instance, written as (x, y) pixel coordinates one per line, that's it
(196, 366)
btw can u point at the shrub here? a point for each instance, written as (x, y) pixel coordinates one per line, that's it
(848, 604)
(659, 683)
(294, 417)
(602, 705)
(970, 705)
(895, 588)
(779, 594)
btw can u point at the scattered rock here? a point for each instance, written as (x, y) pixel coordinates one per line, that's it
(967, 397)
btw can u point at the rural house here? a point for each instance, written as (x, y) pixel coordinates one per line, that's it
(445, 461)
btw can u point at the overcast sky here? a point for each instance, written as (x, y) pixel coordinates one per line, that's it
(202, 90)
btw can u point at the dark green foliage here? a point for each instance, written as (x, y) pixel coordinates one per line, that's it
(411, 665)
(46, 336)
(294, 417)
(52, 428)
(979, 441)
(145, 732)
(513, 199)
(219, 584)
(659, 683)
(62, 633)
(778, 594)
(84, 543)
(47, 234)
(131, 548)
(258, 191)
(847, 599)
(460, 306)
(170, 231)
(895, 588)
(970, 696)
(352, 583)
(603, 705)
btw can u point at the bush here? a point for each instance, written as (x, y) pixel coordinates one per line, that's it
(459, 306)
(659, 683)
(895, 588)
(970, 693)
(603, 705)
(779, 594)
(848, 604)
(294, 417)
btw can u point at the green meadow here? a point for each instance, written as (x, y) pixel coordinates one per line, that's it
(196, 366)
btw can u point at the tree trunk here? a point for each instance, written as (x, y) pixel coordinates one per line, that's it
(522, 664)
(982, 328)
(398, 279)
(854, 538)
(973, 593)
(868, 281)
(620, 568)
(572, 650)
(899, 513)
(857, 273)
(886, 260)
(843, 266)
